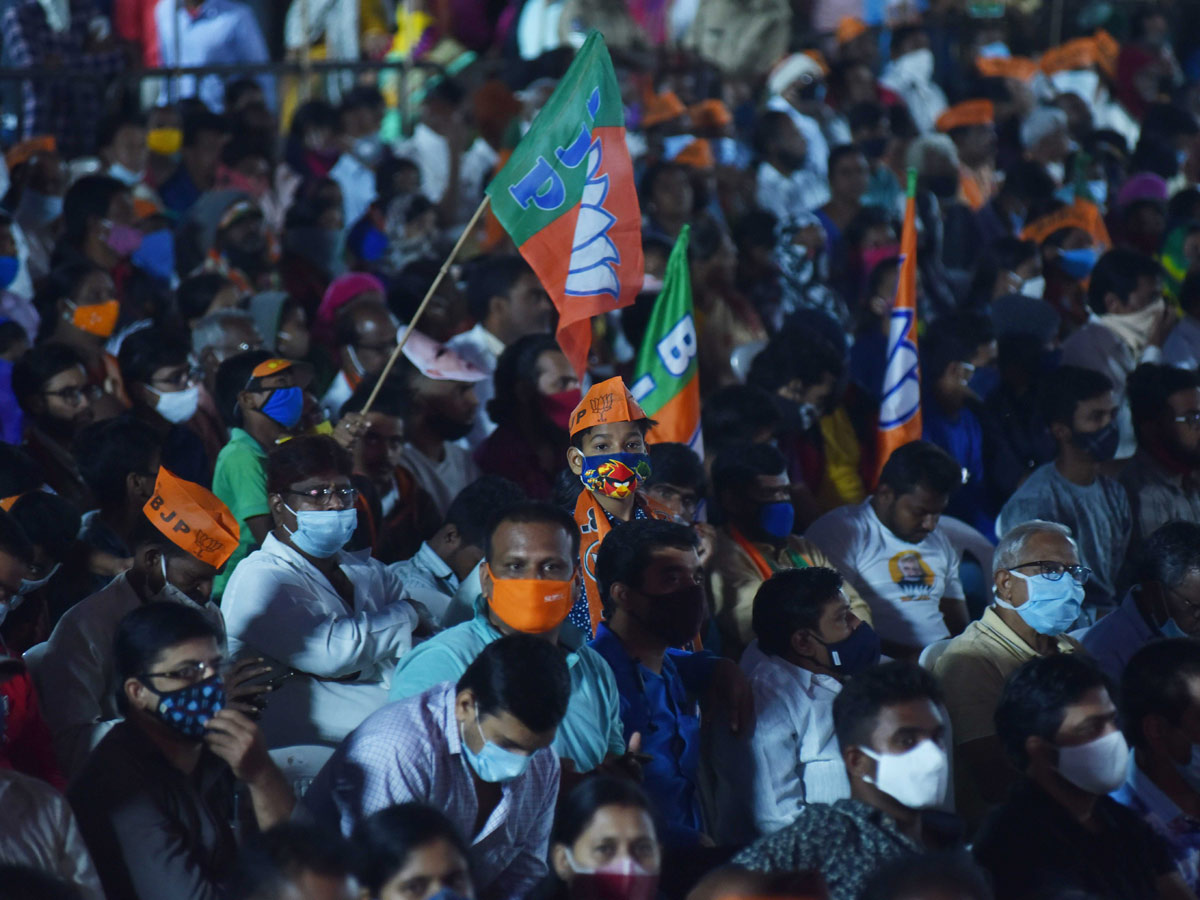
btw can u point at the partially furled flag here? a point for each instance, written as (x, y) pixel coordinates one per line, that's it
(900, 408)
(665, 380)
(568, 200)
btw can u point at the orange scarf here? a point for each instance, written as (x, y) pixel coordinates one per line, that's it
(765, 569)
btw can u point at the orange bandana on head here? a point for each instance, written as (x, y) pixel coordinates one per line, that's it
(607, 402)
(193, 518)
(966, 114)
(26, 150)
(530, 605)
(660, 108)
(1019, 68)
(848, 28)
(1080, 53)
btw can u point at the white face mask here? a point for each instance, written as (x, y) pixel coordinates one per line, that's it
(917, 66)
(1034, 287)
(126, 176)
(917, 779)
(1097, 767)
(1057, 171)
(178, 406)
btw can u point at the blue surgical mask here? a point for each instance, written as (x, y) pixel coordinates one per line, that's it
(323, 532)
(1078, 264)
(28, 586)
(493, 763)
(186, 710)
(9, 266)
(777, 519)
(1171, 629)
(39, 209)
(1052, 606)
(156, 254)
(284, 406)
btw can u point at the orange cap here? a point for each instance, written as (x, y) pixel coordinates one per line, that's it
(1020, 68)
(531, 605)
(26, 150)
(301, 370)
(848, 28)
(1079, 53)
(7, 503)
(710, 114)
(1107, 51)
(819, 58)
(966, 114)
(193, 518)
(608, 401)
(698, 155)
(662, 108)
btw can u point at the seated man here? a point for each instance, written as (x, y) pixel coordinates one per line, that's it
(293, 861)
(365, 336)
(808, 641)
(1160, 709)
(756, 539)
(156, 798)
(529, 582)
(51, 524)
(1038, 590)
(891, 736)
(478, 750)
(1080, 410)
(1057, 832)
(433, 575)
(1162, 478)
(75, 675)
(332, 624)
(1165, 601)
(650, 581)
(892, 552)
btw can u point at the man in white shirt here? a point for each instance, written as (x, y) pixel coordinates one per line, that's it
(507, 302)
(332, 624)
(892, 551)
(478, 750)
(75, 675)
(786, 187)
(807, 641)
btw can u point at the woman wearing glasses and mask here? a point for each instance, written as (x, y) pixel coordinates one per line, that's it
(332, 622)
(156, 798)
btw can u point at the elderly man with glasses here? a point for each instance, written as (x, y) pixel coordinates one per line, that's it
(1164, 601)
(1038, 590)
(331, 623)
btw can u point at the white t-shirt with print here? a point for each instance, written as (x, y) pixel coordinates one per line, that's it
(903, 583)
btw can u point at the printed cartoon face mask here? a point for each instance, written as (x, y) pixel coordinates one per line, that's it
(615, 475)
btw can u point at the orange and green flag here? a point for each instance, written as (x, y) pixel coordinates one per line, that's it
(900, 408)
(567, 198)
(665, 378)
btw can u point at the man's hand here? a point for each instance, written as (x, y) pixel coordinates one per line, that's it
(729, 695)
(629, 764)
(708, 542)
(238, 741)
(349, 430)
(248, 698)
(1163, 326)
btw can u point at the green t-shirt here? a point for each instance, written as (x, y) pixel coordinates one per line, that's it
(240, 480)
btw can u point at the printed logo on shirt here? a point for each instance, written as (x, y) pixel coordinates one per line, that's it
(912, 575)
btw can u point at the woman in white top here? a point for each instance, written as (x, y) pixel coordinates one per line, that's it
(333, 622)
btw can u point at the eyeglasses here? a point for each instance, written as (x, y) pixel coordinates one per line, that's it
(182, 379)
(191, 673)
(74, 395)
(1191, 419)
(1054, 571)
(322, 495)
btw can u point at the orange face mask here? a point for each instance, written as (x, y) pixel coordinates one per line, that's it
(97, 318)
(530, 605)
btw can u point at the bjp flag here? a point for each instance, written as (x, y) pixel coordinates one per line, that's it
(567, 198)
(900, 407)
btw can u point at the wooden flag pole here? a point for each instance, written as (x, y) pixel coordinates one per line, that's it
(437, 282)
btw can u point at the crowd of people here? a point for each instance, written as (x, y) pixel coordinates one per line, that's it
(289, 610)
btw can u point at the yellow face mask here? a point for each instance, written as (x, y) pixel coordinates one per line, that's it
(164, 141)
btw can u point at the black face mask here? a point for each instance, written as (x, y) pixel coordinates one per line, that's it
(675, 617)
(874, 148)
(448, 429)
(944, 187)
(1099, 445)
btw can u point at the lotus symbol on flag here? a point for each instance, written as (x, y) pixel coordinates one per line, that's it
(593, 254)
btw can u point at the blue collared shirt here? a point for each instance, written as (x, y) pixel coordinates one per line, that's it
(221, 33)
(1115, 638)
(1181, 831)
(662, 708)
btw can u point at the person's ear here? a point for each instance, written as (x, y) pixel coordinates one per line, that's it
(148, 558)
(575, 460)
(618, 595)
(558, 858)
(1003, 581)
(275, 504)
(802, 643)
(135, 691)
(1040, 752)
(464, 705)
(1060, 431)
(885, 494)
(858, 764)
(247, 400)
(485, 581)
(451, 537)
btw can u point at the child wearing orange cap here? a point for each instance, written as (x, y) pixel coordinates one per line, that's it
(608, 454)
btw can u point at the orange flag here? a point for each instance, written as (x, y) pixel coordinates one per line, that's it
(900, 408)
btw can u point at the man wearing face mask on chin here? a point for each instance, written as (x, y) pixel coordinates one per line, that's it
(651, 584)
(892, 740)
(1038, 590)
(168, 566)
(1160, 712)
(332, 624)
(1071, 490)
(1130, 323)
(156, 798)
(262, 399)
(756, 540)
(1058, 831)
(807, 643)
(478, 750)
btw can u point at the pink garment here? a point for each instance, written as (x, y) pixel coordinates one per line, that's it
(340, 292)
